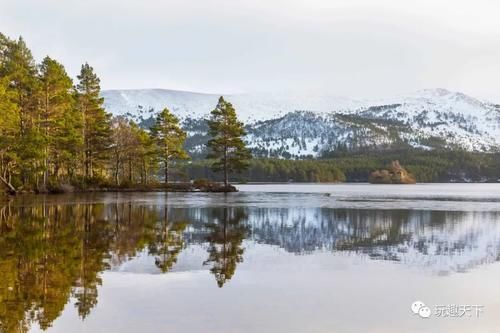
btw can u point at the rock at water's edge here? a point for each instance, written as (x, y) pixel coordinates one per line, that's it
(394, 174)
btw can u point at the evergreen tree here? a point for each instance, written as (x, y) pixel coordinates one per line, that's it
(227, 145)
(142, 158)
(18, 67)
(69, 143)
(148, 160)
(96, 122)
(57, 103)
(169, 139)
(8, 118)
(8, 134)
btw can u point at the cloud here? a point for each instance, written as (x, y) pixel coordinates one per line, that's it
(357, 48)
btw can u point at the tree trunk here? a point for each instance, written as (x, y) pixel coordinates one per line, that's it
(91, 167)
(130, 170)
(166, 172)
(226, 176)
(12, 189)
(57, 167)
(46, 150)
(87, 161)
(46, 169)
(166, 156)
(117, 168)
(144, 179)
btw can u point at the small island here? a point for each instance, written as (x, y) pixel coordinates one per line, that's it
(394, 174)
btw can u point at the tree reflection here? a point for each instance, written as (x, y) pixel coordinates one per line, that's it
(50, 253)
(54, 250)
(225, 242)
(168, 243)
(94, 244)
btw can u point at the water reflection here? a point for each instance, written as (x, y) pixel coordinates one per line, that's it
(53, 252)
(227, 231)
(168, 242)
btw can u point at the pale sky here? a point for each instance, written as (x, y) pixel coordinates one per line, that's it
(352, 48)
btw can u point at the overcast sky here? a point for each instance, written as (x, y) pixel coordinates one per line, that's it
(354, 48)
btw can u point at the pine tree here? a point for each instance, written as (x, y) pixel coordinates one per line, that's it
(70, 142)
(148, 155)
(227, 145)
(8, 118)
(8, 135)
(169, 139)
(18, 67)
(57, 103)
(96, 122)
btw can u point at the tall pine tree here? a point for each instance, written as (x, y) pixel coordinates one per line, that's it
(170, 140)
(18, 67)
(8, 135)
(96, 122)
(69, 143)
(227, 145)
(148, 161)
(57, 103)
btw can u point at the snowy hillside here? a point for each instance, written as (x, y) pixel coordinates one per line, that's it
(291, 125)
(141, 104)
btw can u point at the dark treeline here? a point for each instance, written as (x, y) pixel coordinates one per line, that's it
(426, 166)
(272, 170)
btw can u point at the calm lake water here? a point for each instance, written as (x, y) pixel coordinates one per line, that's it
(271, 258)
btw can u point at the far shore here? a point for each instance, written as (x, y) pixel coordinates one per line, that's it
(278, 187)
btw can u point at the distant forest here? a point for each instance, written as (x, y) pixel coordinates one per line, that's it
(426, 166)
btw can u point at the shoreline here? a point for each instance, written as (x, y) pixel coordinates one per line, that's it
(277, 187)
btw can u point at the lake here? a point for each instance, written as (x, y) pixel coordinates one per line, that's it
(271, 258)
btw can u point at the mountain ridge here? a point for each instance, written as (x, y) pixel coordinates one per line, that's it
(297, 126)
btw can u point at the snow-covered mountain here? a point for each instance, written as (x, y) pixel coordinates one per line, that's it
(141, 104)
(295, 125)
